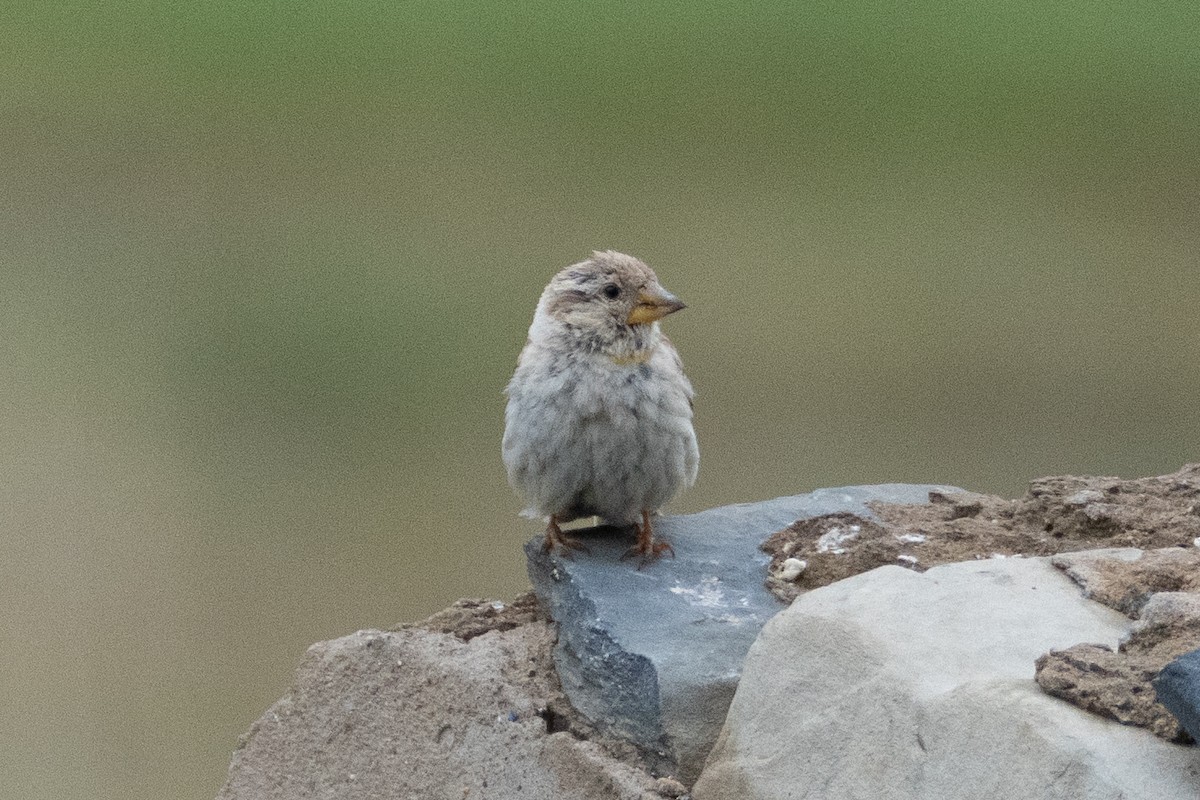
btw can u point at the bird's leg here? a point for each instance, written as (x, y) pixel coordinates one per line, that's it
(555, 536)
(646, 547)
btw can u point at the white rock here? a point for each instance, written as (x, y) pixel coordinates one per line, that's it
(792, 568)
(919, 686)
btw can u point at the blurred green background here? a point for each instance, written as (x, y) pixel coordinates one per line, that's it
(267, 266)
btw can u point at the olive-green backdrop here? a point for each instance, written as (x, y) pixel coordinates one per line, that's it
(265, 268)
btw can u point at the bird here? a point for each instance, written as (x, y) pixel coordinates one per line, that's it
(599, 414)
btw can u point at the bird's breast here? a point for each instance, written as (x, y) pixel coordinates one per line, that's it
(631, 359)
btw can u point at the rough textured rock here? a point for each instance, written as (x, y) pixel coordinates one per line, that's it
(1110, 684)
(471, 617)
(474, 712)
(1056, 515)
(890, 689)
(654, 655)
(901, 684)
(1126, 578)
(828, 548)
(1111, 512)
(1118, 684)
(1178, 688)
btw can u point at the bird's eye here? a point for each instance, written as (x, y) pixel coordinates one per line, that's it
(612, 291)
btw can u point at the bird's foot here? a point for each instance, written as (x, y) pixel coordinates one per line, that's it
(647, 548)
(555, 536)
(649, 554)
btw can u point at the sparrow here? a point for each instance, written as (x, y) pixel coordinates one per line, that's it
(599, 415)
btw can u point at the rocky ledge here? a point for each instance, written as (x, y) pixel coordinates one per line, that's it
(935, 639)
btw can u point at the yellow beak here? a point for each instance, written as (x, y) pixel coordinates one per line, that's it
(652, 305)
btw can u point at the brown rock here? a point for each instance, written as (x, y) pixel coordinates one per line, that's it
(1118, 684)
(1113, 685)
(1057, 515)
(961, 504)
(1126, 579)
(1146, 513)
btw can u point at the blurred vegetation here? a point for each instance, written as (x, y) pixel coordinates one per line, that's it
(267, 267)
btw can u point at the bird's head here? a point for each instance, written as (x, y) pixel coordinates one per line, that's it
(611, 300)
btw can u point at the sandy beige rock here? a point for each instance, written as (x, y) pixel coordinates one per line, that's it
(414, 713)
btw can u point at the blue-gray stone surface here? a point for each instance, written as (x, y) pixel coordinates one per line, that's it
(1178, 688)
(654, 655)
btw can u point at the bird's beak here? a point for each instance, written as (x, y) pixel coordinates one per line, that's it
(653, 303)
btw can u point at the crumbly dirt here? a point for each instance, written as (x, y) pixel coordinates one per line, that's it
(1057, 515)
(471, 617)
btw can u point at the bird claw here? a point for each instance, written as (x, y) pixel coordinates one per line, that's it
(566, 545)
(555, 536)
(649, 554)
(646, 547)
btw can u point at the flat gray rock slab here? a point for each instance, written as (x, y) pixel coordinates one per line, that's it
(1178, 688)
(654, 655)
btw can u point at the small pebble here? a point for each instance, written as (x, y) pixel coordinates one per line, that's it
(1196, 541)
(910, 560)
(792, 568)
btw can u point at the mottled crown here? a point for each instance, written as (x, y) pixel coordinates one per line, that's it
(611, 265)
(593, 304)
